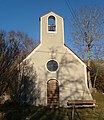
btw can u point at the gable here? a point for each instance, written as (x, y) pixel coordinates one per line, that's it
(57, 66)
(75, 55)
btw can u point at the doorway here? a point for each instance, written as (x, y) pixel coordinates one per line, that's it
(52, 93)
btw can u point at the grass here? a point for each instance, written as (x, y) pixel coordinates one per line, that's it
(45, 113)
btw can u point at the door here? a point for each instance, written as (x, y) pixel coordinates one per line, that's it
(52, 93)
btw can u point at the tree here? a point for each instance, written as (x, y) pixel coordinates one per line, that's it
(88, 34)
(97, 74)
(14, 46)
(23, 89)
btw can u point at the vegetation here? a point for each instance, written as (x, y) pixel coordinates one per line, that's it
(97, 75)
(14, 46)
(15, 112)
(88, 34)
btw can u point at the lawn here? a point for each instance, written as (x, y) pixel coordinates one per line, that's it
(45, 113)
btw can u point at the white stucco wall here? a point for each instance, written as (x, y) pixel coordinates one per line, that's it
(71, 74)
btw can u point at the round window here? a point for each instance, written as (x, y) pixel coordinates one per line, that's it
(52, 65)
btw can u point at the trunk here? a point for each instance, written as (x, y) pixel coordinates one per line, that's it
(89, 81)
(89, 55)
(95, 79)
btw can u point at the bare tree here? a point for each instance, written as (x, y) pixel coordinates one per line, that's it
(88, 34)
(14, 46)
(97, 74)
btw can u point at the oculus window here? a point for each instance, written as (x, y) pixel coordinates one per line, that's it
(52, 65)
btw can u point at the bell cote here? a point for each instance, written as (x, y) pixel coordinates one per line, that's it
(52, 29)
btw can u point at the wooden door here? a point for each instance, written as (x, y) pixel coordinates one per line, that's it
(52, 93)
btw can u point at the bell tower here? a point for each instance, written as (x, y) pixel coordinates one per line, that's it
(51, 30)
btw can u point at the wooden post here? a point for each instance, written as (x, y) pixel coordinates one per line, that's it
(73, 112)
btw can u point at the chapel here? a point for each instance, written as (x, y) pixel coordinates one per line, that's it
(57, 73)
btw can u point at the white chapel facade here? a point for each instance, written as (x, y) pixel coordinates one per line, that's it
(60, 74)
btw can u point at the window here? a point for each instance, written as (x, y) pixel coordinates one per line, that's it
(52, 65)
(51, 23)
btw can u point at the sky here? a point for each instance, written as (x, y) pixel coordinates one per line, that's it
(23, 15)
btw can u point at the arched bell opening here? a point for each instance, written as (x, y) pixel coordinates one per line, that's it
(51, 23)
